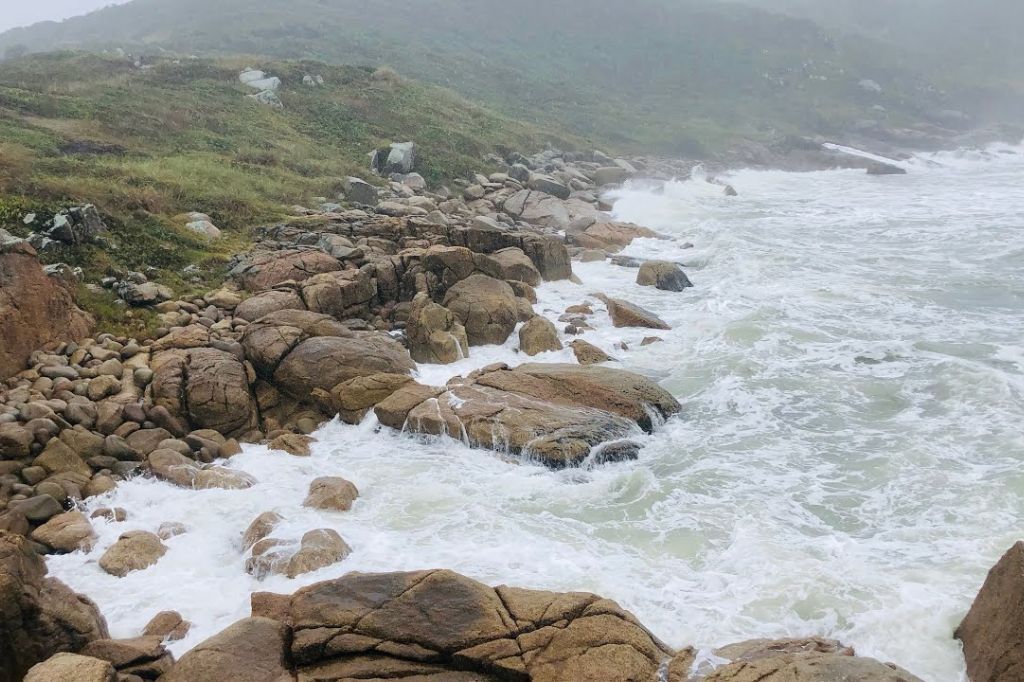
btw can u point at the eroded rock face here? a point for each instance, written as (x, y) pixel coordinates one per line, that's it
(306, 355)
(993, 631)
(604, 388)
(270, 338)
(66, 532)
(35, 309)
(39, 616)
(144, 656)
(440, 625)
(509, 264)
(267, 302)
(208, 386)
(547, 253)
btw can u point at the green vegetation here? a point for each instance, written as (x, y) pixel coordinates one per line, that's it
(149, 144)
(673, 76)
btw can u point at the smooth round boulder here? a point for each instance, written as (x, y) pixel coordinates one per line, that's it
(331, 493)
(486, 308)
(133, 551)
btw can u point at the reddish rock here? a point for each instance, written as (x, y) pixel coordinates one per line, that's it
(35, 309)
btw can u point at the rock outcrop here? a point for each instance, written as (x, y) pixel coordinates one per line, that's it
(264, 269)
(440, 625)
(35, 308)
(559, 414)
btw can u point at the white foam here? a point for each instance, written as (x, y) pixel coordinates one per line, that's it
(848, 463)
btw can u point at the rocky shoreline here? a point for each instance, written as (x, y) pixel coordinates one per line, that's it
(328, 315)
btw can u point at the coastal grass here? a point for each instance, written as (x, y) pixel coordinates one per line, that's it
(149, 143)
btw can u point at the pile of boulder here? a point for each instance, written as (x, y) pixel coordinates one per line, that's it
(70, 227)
(266, 87)
(326, 315)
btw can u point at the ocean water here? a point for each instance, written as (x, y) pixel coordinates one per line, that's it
(849, 461)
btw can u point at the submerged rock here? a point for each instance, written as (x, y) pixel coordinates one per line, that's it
(133, 551)
(626, 314)
(881, 168)
(664, 275)
(810, 668)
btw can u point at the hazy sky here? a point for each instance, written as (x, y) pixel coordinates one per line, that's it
(23, 12)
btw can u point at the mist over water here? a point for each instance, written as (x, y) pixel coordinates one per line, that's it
(849, 462)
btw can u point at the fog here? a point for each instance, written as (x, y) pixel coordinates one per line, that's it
(21, 13)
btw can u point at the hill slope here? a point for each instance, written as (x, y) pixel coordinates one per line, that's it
(147, 144)
(680, 74)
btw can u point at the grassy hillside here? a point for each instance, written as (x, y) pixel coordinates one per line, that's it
(682, 76)
(147, 144)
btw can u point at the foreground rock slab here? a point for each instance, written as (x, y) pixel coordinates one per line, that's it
(440, 625)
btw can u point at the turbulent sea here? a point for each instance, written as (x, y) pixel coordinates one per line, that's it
(849, 461)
